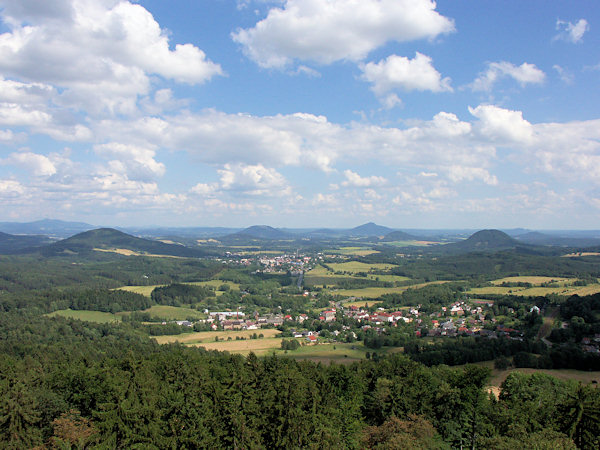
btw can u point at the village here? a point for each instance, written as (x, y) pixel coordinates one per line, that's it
(349, 323)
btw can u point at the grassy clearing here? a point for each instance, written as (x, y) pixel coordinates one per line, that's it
(586, 290)
(127, 252)
(216, 284)
(388, 278)
(376, 292)
(88, 316)
(537, 291)
(209, 336)
(353, 251)
(357, 266)
(320, 271)
(543, 291)
(341, 353)
(580, 254)
(257, 346)
(498, 376)
(362, 303)
(144, 290)
(534, 280)
(411, 243)
(263, 252)
(172, 312)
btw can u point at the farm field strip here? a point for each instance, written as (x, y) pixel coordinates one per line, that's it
(171, 312)
(537, 291)
(375, 292)
(352, 251)
(88, 316)
(534, 280)
(209, 336)
(357, 266)
(258, 346)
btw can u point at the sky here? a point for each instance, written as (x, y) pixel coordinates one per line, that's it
(301, 113)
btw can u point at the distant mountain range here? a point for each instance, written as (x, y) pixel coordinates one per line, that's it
(46, 227)
(263, 232)
(109, 239)
(33, 234)
(399, 236)
(483, 240)
(10, 243)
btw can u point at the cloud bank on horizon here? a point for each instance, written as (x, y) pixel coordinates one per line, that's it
(300, 113)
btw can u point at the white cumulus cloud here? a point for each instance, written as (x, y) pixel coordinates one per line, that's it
(571, 32)
(355, 180)
(100, 51)
(253, 180)
(524, 74)
(333, 30)
(503, 125)
(37, 165)
(399, 72)
(138, 162)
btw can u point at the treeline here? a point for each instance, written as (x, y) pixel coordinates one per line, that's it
(19, 274)
(466, 350)
(178, 294)
(67, 384)
(488, 266)
(106, 300)
(426, 296)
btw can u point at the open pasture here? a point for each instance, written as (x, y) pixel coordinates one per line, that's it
(215, 284)
(209, 336)
(534, 280)
(357, 266)
(376, 292)
(257, 346)
(353, 251)
(361, 303)
(320, 271)
(537, 291)
(172, 312)
(127, 252)
(143, 290)
(88, 316)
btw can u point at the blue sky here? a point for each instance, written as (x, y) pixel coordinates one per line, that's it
(301, 113)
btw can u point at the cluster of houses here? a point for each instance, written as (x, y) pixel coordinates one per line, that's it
(285, 262)
(591, 344)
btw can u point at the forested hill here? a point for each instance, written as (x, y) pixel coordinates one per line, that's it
(10, 243)
(400, 236)
(258, 232)
(484, 240)
(109, 239)
(369, 229)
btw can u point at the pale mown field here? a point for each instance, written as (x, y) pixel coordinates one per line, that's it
(209, 336)
(375, 292)
(537, 291)
(357, 266)
(352, 251)
(172, 312)
(257, 346)
(127, 252)
(362, 303)
(88, 316)
(534, 280)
